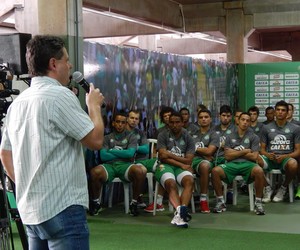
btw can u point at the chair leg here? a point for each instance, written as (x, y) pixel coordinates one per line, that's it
(155, 197)
(291, 191)
(150, 186)
(193, 204)
(180, 189)
(251, 196)
(111, 192)
(126, 187)
(235, 192)
(225, 191)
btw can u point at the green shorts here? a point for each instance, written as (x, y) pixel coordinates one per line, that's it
(166, 171)
(270, 165)
(232, 169)
(197, 161)
(117, 169)
(149, 164)
(219, 160)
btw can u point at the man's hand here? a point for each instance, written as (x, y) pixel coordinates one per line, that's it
(187, 168)
(271, 156)
(94, 98)
(164, 154)
(279, 158)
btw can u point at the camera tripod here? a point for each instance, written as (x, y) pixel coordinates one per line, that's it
(6, 214)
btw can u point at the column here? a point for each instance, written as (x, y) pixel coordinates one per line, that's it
(236, 41)
(56, 17)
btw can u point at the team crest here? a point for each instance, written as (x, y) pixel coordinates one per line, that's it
(287, 130)
(247, 140)
(182, 142)
(125, 141)
(206, 137)
(161, 167)
(228, 132)
(233, 140)
(272, 129)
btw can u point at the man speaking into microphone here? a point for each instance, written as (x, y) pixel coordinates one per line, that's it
(41, 149)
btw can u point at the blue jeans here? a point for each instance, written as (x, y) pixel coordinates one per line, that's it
(67, 230)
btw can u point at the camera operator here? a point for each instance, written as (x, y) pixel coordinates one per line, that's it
(41, 149)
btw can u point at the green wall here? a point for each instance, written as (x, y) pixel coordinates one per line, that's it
(264, 84)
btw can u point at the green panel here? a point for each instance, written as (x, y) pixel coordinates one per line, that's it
(241, 87)
(267, 83)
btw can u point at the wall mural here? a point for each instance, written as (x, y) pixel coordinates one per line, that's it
(133, 78)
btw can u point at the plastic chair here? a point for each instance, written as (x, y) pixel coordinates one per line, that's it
(126, 187)
(291, 186)
(150, 176)
(235, 192)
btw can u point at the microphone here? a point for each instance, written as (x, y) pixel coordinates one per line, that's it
(8, 92)
(78, 78)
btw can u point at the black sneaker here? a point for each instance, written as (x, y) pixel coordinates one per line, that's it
(220, 207)
(184, 213)
(259, 209)
(133, 209)
(229, 197)
(141, 205)
(94, 208)
(140, 202)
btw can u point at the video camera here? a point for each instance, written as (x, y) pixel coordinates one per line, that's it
(6, 90)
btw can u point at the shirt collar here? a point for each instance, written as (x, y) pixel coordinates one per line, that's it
(37, 80)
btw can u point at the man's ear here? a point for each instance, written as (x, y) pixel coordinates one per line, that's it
(52, 64)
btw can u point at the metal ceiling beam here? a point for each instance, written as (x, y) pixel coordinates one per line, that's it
(96, 25)
(190, 46)
(160, 12)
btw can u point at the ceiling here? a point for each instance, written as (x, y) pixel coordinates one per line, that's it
(270, 27)
(198, 26)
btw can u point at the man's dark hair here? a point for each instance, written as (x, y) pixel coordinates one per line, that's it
(119, 114)
(184, 109)
(165, 109)
(282, 103)
(39, 51)
(204, 111)
(201, 106)
(243, 113)
(176, 114)
(290, 104)
(135, 111)
(269, 108)
(225, 109)
(253, 109)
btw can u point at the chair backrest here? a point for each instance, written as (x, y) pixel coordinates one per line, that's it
(152, 147)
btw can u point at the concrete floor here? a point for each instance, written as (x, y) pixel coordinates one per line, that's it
(280, 217)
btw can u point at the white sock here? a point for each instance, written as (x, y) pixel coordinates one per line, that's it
(203, 197)
(159, 199)
(258, 200)
(221, 199)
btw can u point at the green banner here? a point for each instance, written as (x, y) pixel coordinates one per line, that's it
(267, 83)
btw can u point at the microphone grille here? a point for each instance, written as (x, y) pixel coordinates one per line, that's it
(77, 76)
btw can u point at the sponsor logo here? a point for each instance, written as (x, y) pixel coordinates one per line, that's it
(199, 145)
(280, 142)
(176, 151)
(239, 148)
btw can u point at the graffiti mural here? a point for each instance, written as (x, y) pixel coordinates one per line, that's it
(132, 78)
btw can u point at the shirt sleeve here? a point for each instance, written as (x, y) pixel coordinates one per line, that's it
(70, 117)
(5, 142)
